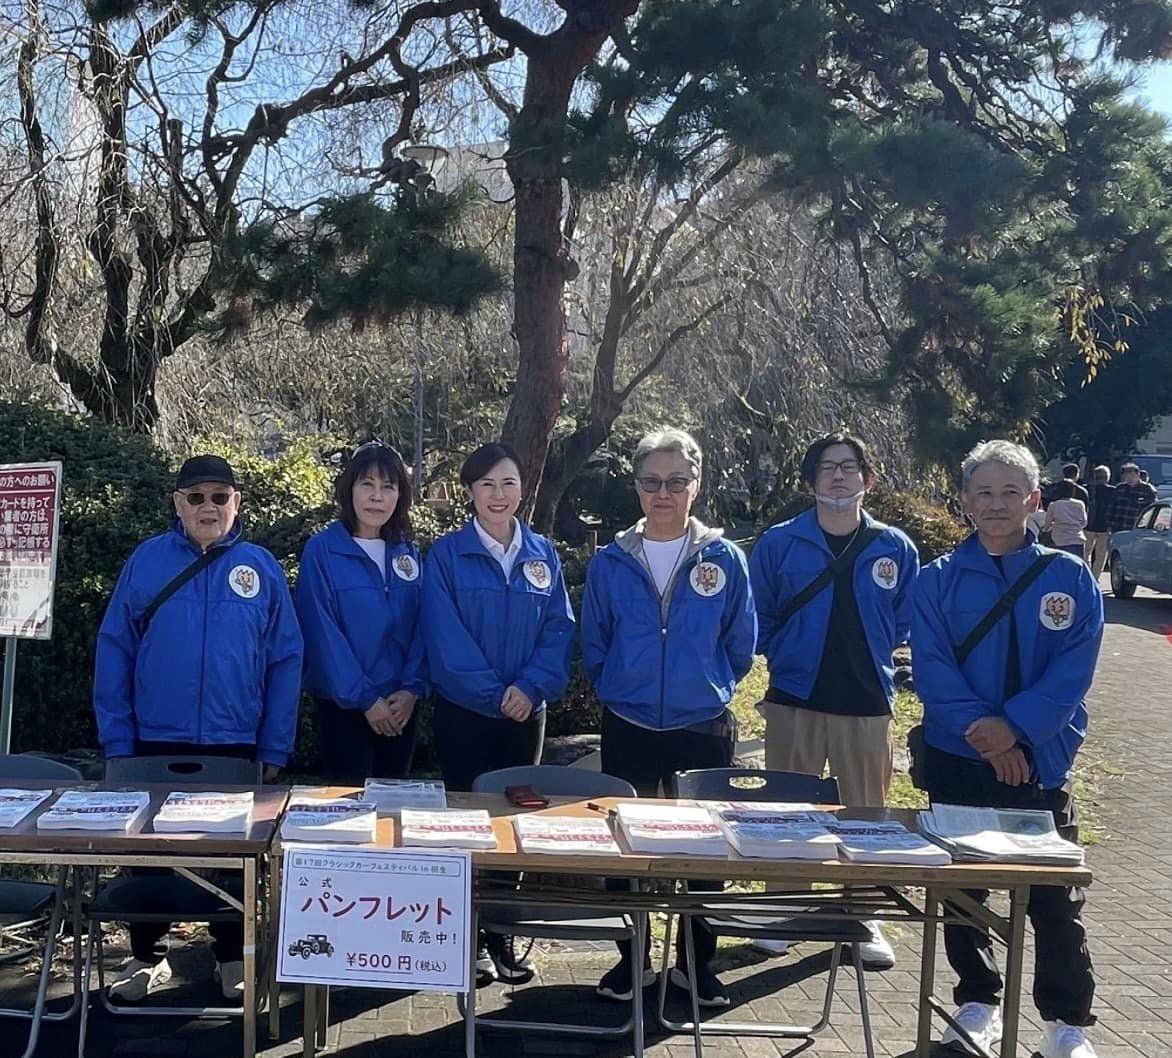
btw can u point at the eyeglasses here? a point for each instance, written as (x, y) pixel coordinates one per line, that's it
(653, 485)
(847, 466)
(198, 499)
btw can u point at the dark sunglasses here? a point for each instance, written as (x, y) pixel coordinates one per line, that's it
(197, 499)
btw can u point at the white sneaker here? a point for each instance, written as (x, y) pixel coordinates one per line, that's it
(981, 1021)
(775, 949)
(136, 978)
(231, 978)
(1065, 1041)
(876, 953)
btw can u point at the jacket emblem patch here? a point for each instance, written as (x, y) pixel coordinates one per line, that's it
(707, 579)
(244, 581)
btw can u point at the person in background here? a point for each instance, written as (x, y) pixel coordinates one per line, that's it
(198, 654)
(831, 674)
(668, 630)
(1066, 517)
(1003, 726)
(1098, 531)
(357, 599)
(498, 632)
(1070, 473)
(1132, 496)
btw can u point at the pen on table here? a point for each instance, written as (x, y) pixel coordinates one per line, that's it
(594, 806)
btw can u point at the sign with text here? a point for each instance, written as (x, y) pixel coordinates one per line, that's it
(30, 500)
(375, 918)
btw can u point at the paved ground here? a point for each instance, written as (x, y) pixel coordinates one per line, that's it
(1130, 917)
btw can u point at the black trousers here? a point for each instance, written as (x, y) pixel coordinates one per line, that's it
(350, 752)
(1064, 984)
(468, 744)
(647, 759)
(227, 937)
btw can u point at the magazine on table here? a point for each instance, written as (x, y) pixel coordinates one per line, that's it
(393, 795)
(107, 810)
(764, 830)
(660, 829)
(458, 829)
(329, 819)
(16, 805)
(999, 835)
(205, 812)
(565, 835)
(885, 842)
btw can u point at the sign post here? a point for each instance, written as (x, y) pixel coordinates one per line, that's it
(30, 502)
(375, 918)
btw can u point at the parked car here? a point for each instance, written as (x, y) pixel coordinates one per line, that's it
(1143, 555)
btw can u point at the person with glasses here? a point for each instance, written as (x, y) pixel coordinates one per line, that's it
(358, 593)
(668, 630)
(199, 653)
(833, 590)
(499, 632)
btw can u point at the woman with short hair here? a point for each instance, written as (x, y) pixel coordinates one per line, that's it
(668, 629)
(499, 632)
(358, 597)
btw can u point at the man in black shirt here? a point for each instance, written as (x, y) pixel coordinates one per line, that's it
(833, 589)
(1130, 499)
(1070, 473)
(1098, 531)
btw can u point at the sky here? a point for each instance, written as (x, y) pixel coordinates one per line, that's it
(1155, 88)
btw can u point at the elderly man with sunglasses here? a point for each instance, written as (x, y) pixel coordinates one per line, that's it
(199, 653)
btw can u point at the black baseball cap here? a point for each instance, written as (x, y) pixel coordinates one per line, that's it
(198, 469)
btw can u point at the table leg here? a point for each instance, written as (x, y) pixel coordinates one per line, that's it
(249, 1013)
(690, 953)
(309, 1022)
(274, 989)
(470, 998)
(927, 975)
(1018, 902)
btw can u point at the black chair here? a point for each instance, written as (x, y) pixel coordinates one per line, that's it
(27, 902)
(532, 921)
(745, 784)
(165, 898)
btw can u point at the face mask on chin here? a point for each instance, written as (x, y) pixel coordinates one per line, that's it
(839, 503)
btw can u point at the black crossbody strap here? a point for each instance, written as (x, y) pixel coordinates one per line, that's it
(1002, 607)
(177, 582)
(819, 583)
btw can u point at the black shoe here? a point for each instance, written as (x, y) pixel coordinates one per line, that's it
(616, 982)
(509, 967)
(709, 991)
(485, 967)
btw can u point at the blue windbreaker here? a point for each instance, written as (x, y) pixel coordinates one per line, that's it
(483, 634)
(1059, 623)
(674, 662)
(361, 627)
(220, 663)
(789, 556)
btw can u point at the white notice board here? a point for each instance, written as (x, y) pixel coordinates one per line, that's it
(375, 918)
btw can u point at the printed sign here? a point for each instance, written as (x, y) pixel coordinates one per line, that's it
(30, 498)
(375, 918)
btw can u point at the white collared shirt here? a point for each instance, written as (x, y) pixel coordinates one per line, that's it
(506, 556)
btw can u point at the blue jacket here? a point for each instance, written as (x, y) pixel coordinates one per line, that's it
(1059, 627)
(361, 628)
(789, 556)
(483, 633)
(219, 664)
(676, 662)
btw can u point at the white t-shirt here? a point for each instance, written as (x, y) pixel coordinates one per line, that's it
(662, 557)
(377, 550)
(1066, 519)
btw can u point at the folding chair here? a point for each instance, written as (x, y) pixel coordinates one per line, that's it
(26, 902)
(535, 922)
(745, 784)
(165, 899)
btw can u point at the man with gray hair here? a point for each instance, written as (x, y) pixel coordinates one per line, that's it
(1098, 531)
(1005, 637)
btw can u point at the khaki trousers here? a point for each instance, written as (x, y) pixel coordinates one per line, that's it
(1096, 552)
(857, 748)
